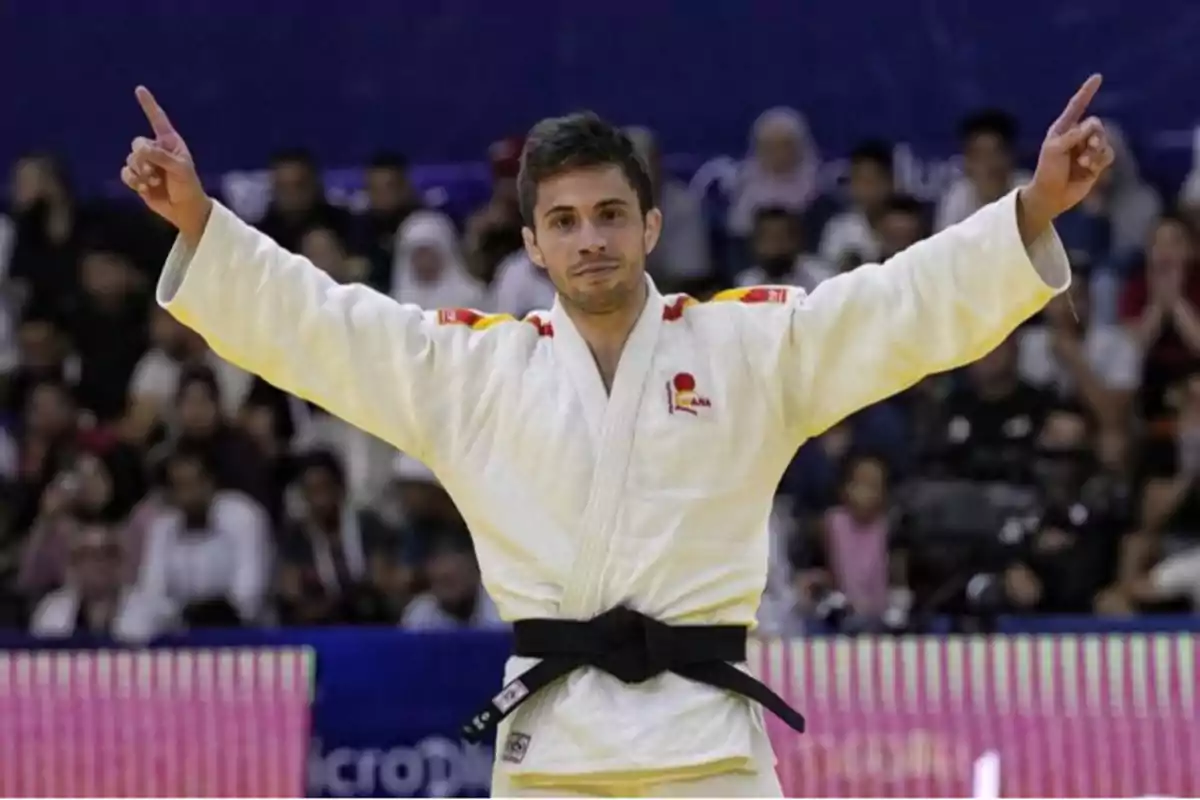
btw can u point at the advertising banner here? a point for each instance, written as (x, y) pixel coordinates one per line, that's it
(164, 723)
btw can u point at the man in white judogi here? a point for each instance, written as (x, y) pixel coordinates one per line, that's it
(620, 450)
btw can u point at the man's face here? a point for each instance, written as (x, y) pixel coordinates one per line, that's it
(321, 493)
(898, 231)
(388, 190)
(452, 577)
(40, 345)
(870, 185)
(294, 187)
(987, 158)
(324, 249)
(191, 486)
(591, 238)
(776, 239)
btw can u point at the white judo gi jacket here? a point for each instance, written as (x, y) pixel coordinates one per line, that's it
(656, 495)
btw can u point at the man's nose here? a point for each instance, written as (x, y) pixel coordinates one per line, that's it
(590, 239)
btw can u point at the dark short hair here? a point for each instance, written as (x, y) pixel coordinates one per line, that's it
(875, 151)
(322, 460)
(992, 122)
(389, 160)
(190, 453)
(299, 156)
(767, 214)
(578, 141)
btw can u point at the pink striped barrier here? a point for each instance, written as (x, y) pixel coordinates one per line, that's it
(191, 723)
(1001, 716)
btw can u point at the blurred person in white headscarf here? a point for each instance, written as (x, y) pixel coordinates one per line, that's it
(1189, 198)
(1131, 206)
(429, 269)
(782, 169)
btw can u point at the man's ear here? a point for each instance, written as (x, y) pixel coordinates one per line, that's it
(531, 246)
(653, 230)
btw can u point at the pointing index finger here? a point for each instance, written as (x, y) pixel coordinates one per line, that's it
(159, 122)
(1077, 105)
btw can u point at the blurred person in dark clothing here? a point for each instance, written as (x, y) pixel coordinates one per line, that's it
(391, 197)
(777, 248)
(1069, 555)
(991, 421)
(989, 140)
(494, 231)
(1159, 561)
(48, 442)
(298, 201)
(108, 328)
(902, 224)
(44, 353)
(330, 556)
(236, 462)
(456, 597)
(155, 382)
(1079, 359)
(50, 226)
(1161, 309)
(421, 506)
(851, 238)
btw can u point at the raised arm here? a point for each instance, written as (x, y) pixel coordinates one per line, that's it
(389, 369)
(943, 303)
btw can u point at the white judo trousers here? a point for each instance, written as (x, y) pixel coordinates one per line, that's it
(656, 494)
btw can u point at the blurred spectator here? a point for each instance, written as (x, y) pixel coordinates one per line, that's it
(103, 489)
(108, 327)
(456, 598)
(989, 139)
(429, 270)
(206, 559)
(1159, 307)
(298, 201)
(1189, 200)
(520, 287)
(50, 226)
(329, 556)
(903, 223)
(421, 506)
(861, 546)
(1115, 219)
(391, 197)
(95, 598)
(781, 170)
(237, 464)
(852, 236)
(44, 353)
(1079, 359)
(493, 232)
(681, 258)
(325, 248)
(155, 382)
(777, 247)
(49, 440)
(992, 421)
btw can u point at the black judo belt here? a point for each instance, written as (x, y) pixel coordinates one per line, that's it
(632, 648)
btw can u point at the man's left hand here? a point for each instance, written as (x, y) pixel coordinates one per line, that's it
(1074, 154)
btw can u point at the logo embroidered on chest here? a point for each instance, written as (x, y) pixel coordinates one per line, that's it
(682, 396)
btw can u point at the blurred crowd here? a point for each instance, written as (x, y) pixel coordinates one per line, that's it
(148, 486)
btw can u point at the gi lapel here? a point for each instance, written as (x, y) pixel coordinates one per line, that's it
(582, 591)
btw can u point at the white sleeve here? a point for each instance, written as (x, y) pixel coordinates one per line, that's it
(151, 592)
(867, 334)
(391, 369)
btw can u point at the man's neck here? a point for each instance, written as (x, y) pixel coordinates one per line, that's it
(606, 334)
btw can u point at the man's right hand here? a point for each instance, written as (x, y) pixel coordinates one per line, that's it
(161, 171)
